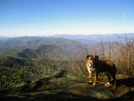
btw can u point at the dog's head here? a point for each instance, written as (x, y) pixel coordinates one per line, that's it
(92, 59)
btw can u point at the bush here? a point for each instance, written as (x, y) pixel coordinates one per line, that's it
(7, 81)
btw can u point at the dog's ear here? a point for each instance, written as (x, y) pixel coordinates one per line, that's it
(96, 57)
(88, 56)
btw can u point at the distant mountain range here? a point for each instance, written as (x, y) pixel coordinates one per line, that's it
(95, 38)
(37, 47)
(57, 46)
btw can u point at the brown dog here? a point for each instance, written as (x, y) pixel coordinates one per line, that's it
(95, 65)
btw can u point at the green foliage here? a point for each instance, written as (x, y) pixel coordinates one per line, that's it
(13, 79)
(38, 68)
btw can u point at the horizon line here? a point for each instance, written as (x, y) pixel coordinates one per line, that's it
(66, 34)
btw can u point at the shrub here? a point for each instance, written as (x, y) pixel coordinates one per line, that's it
(7, 81)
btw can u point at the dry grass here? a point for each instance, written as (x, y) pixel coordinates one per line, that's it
(121, 53)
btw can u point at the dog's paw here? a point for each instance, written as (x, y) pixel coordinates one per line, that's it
(94, 84)
(107, 84)
(90, 82)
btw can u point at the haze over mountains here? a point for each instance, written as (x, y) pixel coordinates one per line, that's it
(57, 46)
(96, 37)
(35, 47)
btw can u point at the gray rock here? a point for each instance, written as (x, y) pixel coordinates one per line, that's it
(99, 92)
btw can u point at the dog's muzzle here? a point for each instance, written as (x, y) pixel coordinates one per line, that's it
(91, 68)
(92, 65)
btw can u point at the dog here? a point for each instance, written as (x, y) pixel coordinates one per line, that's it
(94, 65)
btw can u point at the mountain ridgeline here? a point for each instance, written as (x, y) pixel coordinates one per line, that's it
(57, 46)
(39, 47)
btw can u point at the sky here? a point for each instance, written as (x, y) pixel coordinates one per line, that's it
(50, 17)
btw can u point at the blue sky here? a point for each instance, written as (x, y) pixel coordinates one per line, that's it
(49, 17)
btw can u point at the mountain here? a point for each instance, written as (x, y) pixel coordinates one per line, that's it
(26, 42)
(37, 47)
(4, 37)
(96, 38)
(22, 42)
(59, 46)
(64, 51)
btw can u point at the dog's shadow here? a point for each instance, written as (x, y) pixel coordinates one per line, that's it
(128, 82)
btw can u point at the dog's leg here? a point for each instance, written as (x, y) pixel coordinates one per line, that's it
(109, 78)
(90, 77)
(114, 79)
(95, 78)
(113, 74)
(89, 74)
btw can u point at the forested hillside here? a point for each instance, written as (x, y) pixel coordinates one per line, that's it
(39, 47)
